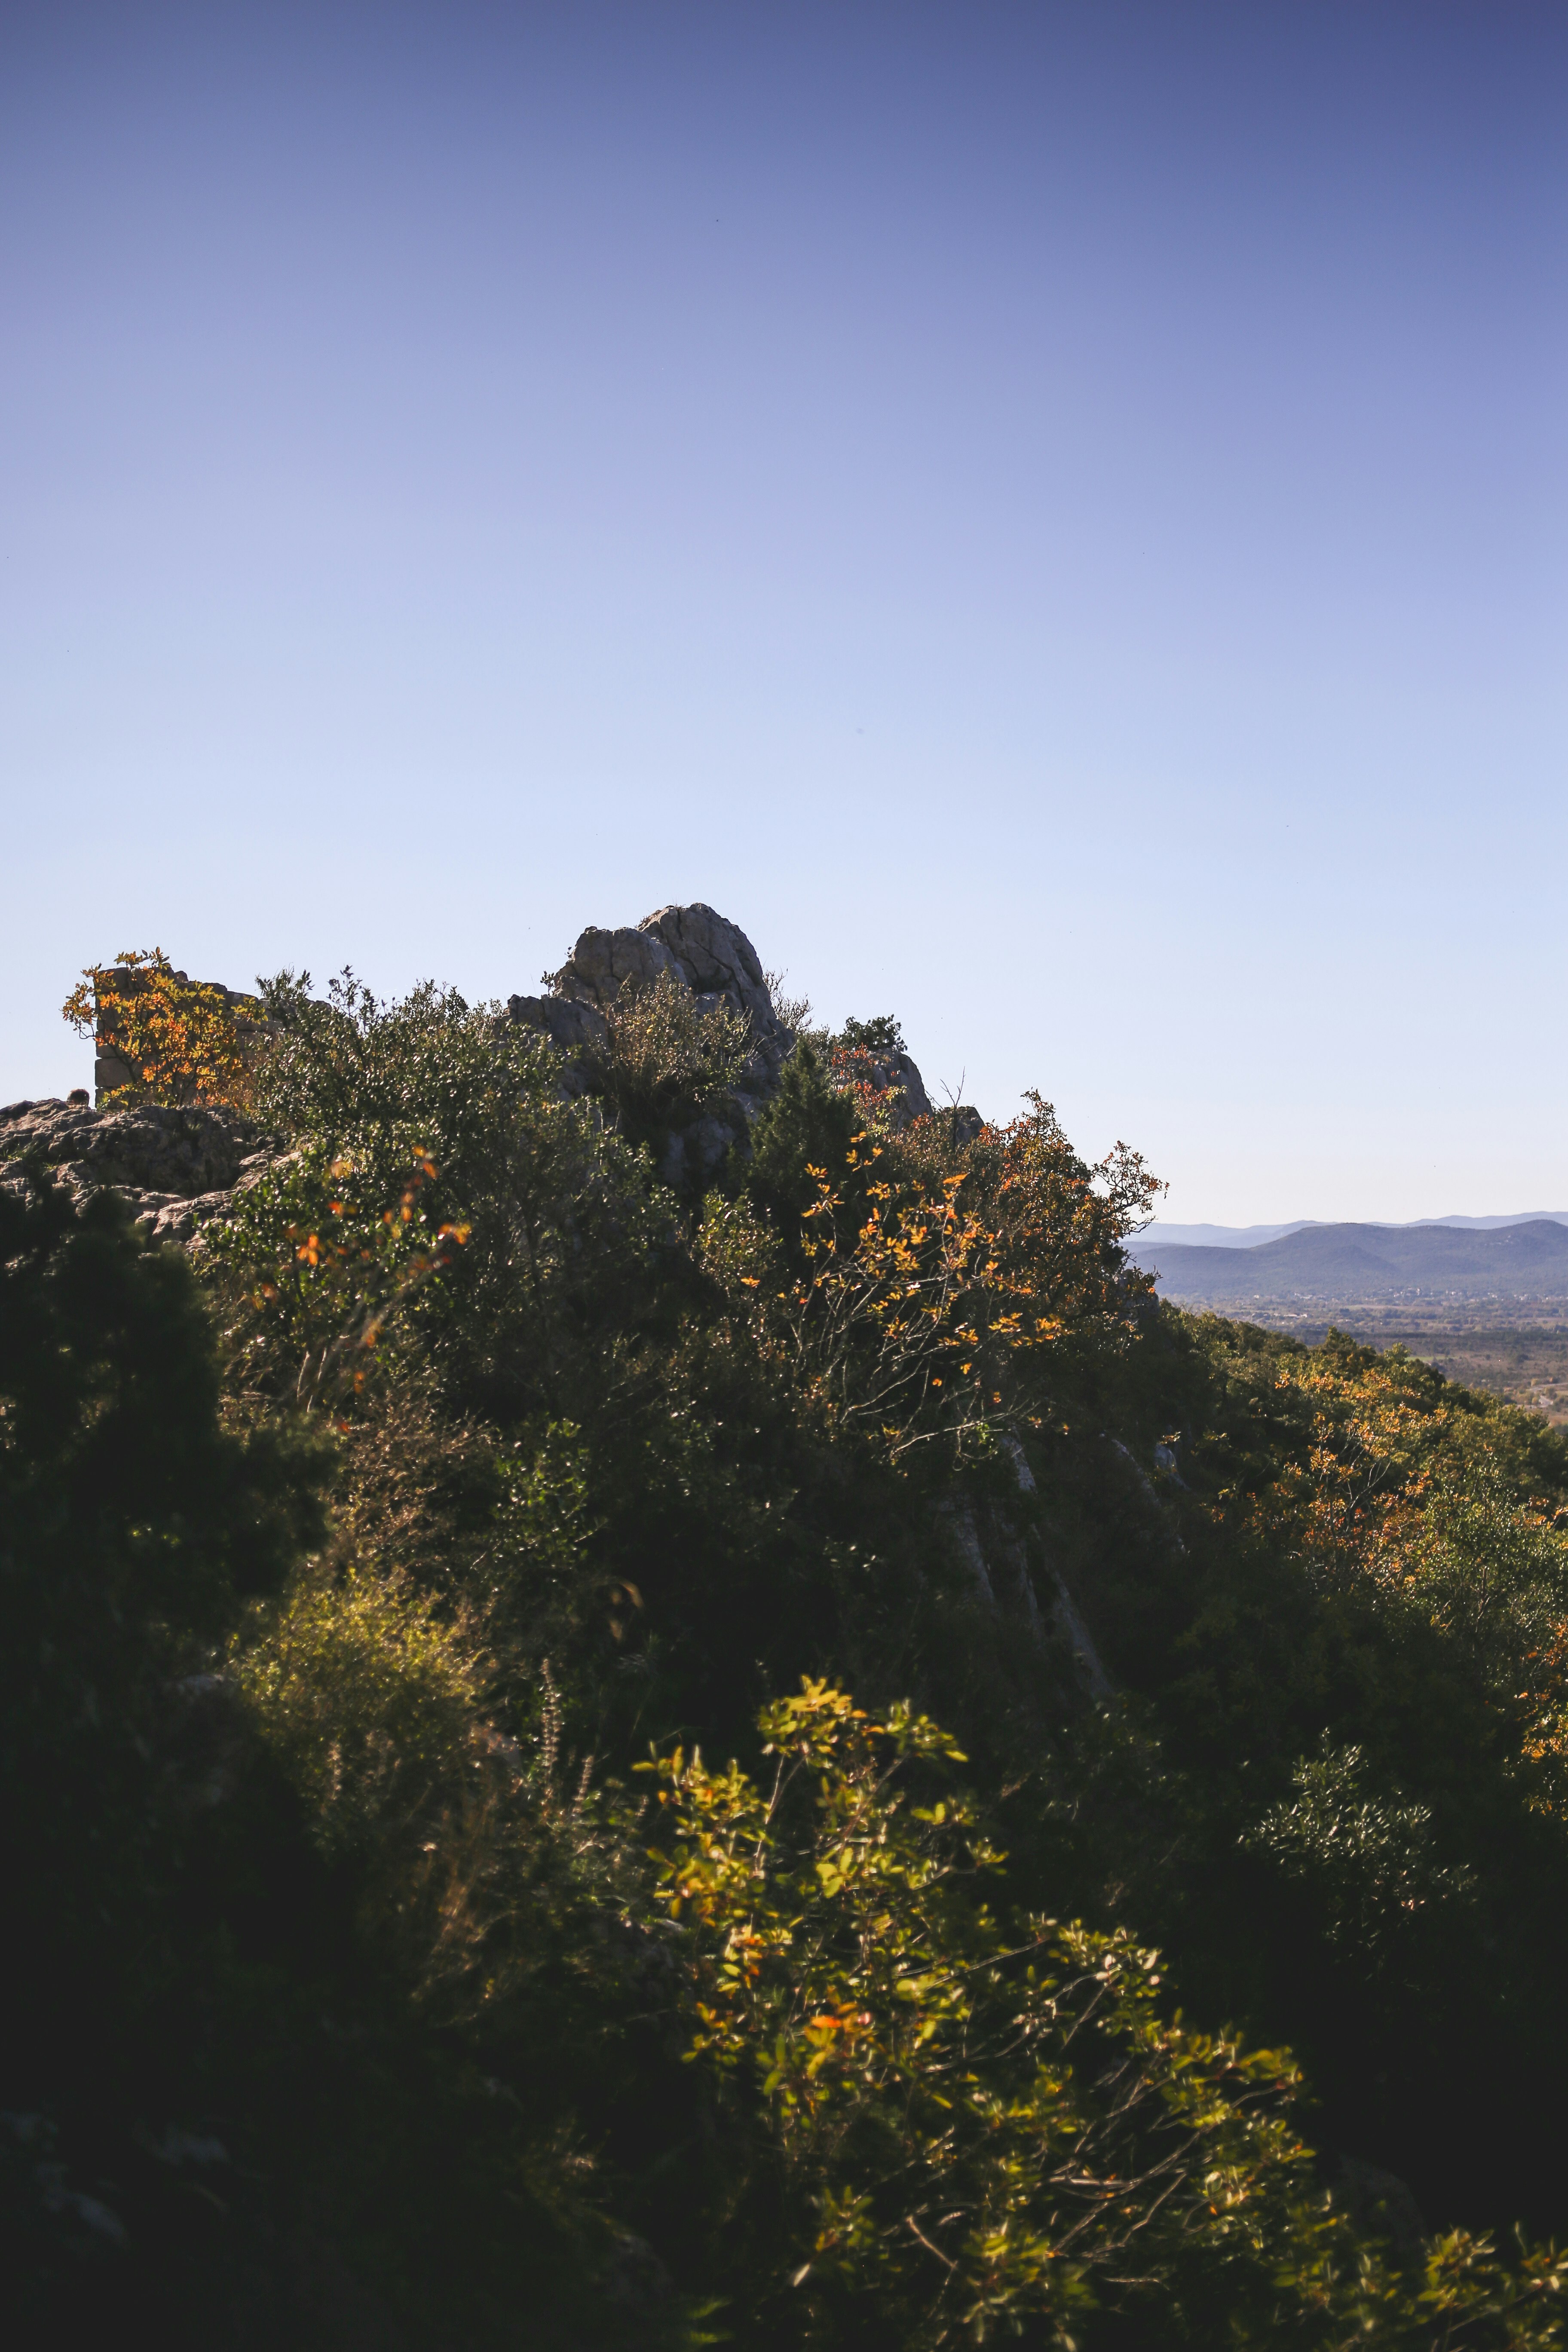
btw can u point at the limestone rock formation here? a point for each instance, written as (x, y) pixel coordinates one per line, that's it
(174, 1167)
(574, 1026)
(713, 958)
(897, 1070)
(694, 944)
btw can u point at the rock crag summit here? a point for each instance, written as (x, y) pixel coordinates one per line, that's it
(176, 1167)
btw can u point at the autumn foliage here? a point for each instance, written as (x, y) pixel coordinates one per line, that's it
(179, 1040)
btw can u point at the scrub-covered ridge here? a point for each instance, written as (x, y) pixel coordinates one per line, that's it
(653, 1699)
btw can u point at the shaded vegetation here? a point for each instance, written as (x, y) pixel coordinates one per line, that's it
(811, 1765)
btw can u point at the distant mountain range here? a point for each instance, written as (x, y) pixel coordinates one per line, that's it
(1453, 1258)
(1253, 1236)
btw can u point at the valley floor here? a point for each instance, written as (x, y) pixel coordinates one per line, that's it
(1515, 1349)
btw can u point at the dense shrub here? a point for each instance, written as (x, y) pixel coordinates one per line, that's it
(348, 1578)
(134, 1524)
(665, 1056)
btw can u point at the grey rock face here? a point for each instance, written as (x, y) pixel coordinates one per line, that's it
(177, 1220)
(707, 953)
(991, 1547)
(175, 1154)
(696, 944)
(174, 1169)
(602, 962)
(897, 1070)
(565, 1021)
(569, 1024)
(713, 958)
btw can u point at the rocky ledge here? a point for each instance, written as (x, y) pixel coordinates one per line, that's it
(175, 1167)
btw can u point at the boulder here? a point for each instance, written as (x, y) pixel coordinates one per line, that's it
(174, 1169)
(695, 945)
(566, 1021)
(178, 1220)
(897, 1071)
(711, 955)
(890, 1071)
(569, 1023)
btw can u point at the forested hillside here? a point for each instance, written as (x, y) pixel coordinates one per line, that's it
(651, 1699)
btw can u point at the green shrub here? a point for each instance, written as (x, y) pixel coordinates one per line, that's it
(948, 2130)
(371, 1700)
(133, 1525)
(665, 1056)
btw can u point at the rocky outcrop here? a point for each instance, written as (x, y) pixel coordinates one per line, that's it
(895, 1072)
(706, 954)
(695, 945)
(175, 1167)
(711, 956)
(576, 1027)
(991, 1544)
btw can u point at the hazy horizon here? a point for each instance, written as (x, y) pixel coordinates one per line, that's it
(1201, 1233)
(1052, 518)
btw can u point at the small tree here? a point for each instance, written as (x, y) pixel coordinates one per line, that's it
(809, 1124)
(181, 1041)
(906, 1327)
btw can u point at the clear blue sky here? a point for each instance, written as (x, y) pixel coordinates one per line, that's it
(1053, 517)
